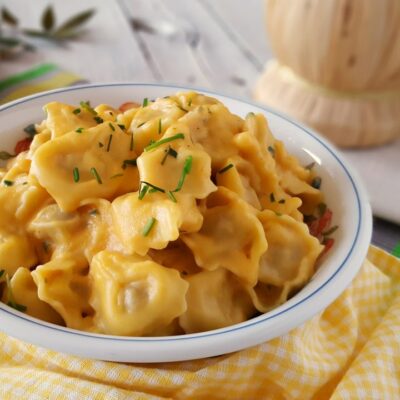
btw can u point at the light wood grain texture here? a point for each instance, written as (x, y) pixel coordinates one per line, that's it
(108, 52)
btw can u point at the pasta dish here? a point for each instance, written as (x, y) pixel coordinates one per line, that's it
(168, 217)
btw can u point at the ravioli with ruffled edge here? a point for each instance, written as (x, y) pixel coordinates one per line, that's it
(170, 217)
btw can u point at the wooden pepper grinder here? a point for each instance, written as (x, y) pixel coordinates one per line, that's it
(337, 67)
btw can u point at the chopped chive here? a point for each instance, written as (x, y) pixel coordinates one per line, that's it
(316, 182)
(122, 126)
(5, 155)
(111, 126)
(171, 196)
(143, 191)
(30, 130)
(101, 144)
(282, 201)
(271, 150)
(159, 126)
(321, 209)
(86, 106)
(226, 168)
(94, 172)
(132, 143)
(169, 152)
(310, 166)
(99, 120)
(109, 143)
(76, 174)
(272, 198)
(116, 176)
(187, 167)
(11, 301)
(93, 212)
(183, 109)
(145, 102)
(158, 189)
(8, 183)
(45, 246)
(152, 190)
(190, 102)
(330, 231)
(76, 111)
(141, 124)
(2, 272)
(79, 130)
(149, 226)
(132, 162)
(162, 141)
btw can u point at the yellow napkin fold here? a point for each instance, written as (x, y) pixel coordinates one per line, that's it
(349, 351)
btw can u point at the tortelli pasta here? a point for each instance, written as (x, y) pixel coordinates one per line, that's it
(170, 217)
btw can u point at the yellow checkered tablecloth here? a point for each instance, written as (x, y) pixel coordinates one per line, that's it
(349, 351)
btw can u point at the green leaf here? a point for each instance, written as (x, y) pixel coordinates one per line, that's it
(8, 17)
(75, 21)
(9, 42)
(39, 34)
(48, 19)
(4, 155)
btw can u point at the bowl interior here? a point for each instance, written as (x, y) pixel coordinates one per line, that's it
(343, 194)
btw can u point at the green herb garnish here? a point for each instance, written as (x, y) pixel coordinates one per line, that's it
(141, 124)
(8, 183)
(76, 111)
(99, 120)
(169, 152)
(282, 201)
(94, 172)
(316, 182)
(190, 102)
(156, 188)
(93, 212)
(11, 300)
(121, 126)
(271, 150)
(145, 102)
(330, 231)
(109, 143)
(187, 167)
(30, 130)
(132, 162)
(162, 141)
(111, 126)
(5, 155)
(101, 144)
(149, 226)
(143, 191)
(79, 130)
(132, 143)
(272, 198)
(310, 166)
(75, 173)
(171, 196)
(159, 126)
(226, 168)
(183, 109)
(86, 106)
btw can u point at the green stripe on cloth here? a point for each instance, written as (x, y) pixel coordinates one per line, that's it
(396, 250)
(27, 75)
(38, 79)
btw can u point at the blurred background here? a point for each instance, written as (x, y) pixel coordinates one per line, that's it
(334, 65)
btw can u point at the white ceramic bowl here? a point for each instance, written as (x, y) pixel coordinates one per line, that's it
(344, 195)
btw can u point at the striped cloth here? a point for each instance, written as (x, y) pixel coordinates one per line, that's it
(349, 351)
(40, 78)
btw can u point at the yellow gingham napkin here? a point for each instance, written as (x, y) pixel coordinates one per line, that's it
(349, 351)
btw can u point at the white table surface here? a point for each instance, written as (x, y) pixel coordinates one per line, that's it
(215, 44)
